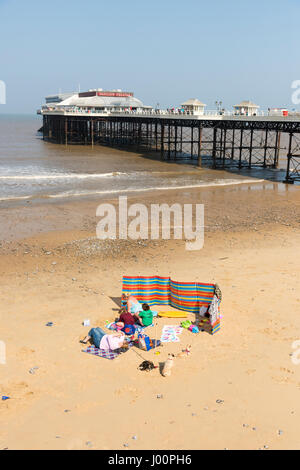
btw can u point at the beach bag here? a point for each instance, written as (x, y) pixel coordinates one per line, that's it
(144, 342)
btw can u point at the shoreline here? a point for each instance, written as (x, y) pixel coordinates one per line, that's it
(108, 193)
(236, 205)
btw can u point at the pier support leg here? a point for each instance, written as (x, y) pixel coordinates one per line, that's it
(162, 145)
(181, 131)
(175, 142)
(169, 142)
(214, 150)
(232, 144)
(277, 151)
(266, 148)
(66, 132)
(147, 135)
(92, 132)
(289, 156)
(251, 148)
(224, 149)
(139, 134)
(200, 131)
(241, 148)
(219, 152)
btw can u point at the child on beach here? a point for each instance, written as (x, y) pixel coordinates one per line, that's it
(145, 316)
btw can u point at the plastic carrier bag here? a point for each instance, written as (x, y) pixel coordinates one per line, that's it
(145, 343)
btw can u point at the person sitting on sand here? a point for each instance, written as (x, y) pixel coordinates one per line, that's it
(103, 341)
(133, 305)
(145, 316)
(126, 322)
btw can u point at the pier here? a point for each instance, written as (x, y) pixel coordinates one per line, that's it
(245, 138)
(228, 141)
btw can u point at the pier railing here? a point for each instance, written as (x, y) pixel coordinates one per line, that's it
(170, 113)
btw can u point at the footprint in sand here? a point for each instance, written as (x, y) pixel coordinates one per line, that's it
(25, 352)
(288, 371)
(133, 392)
(16, 391)
(287, 378)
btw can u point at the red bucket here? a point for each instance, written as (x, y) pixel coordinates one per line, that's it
(285, 113)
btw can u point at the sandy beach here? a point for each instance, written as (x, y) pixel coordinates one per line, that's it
(238, 390)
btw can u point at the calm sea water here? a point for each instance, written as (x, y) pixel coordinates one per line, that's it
(31, 169)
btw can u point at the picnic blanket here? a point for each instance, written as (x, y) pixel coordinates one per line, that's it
(105, 353)
(170, 334)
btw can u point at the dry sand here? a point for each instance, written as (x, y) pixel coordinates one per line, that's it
(53, 270)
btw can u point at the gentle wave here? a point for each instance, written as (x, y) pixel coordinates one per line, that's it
(133, 190)
(15, 198)
(63, 176)
(156, 188)
(54, 176)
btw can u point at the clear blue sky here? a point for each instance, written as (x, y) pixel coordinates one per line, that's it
(165, 51)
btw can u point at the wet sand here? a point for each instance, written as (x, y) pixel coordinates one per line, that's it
(230, 207)
(53, 269)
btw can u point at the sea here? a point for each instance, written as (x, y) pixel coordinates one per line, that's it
(38, 171)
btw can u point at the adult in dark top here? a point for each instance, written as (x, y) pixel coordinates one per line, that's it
(127, 318)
